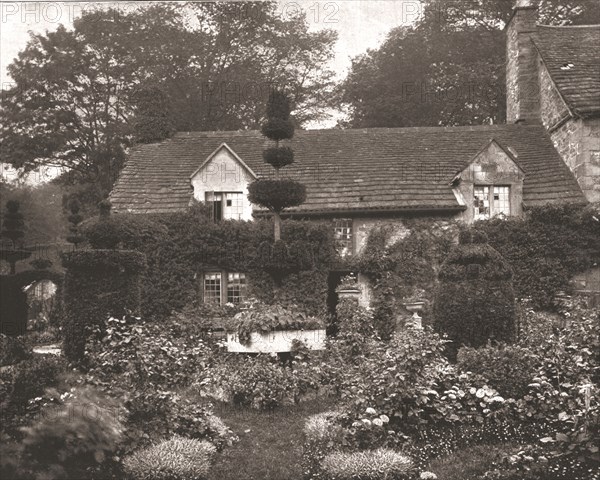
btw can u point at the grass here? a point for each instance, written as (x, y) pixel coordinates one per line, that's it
(470, 463)
(270, 446)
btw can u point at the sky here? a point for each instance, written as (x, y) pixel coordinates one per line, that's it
(361, 24)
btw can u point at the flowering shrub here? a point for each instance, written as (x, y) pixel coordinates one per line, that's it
(368, 465)
(175, 459)
(258, 382)
(509, 368)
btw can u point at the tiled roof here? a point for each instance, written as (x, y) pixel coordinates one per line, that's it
(350, 170)
(571, 57)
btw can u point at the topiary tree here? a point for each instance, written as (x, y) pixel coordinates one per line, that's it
(75, 218)
(277, 195)
(475, 300)
(13, 230)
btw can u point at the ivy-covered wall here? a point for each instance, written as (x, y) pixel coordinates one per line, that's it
(180, 247)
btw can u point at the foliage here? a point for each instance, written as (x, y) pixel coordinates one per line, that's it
(128, 352)
(14, 306)
(163, 413)
(13, 229)
(12, 350)
(74, 218)
(457, 54)
(403, 263)
(475, 300)
(99, 64)
(267, 318)
(175, 459)
(369, 465)
(546, 248)
(276, 195)
(278, 157)
(257, 382)
(153, 120)
(98, 283)
(509, 368)
(82, 433)
(180, 247)
(31, 377)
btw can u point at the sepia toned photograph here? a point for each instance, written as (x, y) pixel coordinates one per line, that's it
(300, 240)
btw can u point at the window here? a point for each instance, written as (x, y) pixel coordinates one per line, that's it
(222, 287)
(490, 200)
(212, 288)
(343, 236)
(236, 286)
(226, 205)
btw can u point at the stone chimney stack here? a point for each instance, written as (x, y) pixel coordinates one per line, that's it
(522, 83)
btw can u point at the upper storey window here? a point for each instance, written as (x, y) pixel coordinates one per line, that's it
(490, 200)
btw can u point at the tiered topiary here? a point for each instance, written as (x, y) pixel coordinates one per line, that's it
(277, 195)
(475, 300)
(75, 218)
(13, 231)
(99, 282)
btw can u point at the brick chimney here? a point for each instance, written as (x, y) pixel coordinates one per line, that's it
(522, 84)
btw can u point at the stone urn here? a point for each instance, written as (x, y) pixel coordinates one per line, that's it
(415, 307)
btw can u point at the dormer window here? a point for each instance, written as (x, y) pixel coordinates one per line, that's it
(225, 205)
(490, 200)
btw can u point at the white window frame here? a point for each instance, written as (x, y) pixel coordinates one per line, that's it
(343, 232)
(227, 280)
(227, 211)
(493, 208)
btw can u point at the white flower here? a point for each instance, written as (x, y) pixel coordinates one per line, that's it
(497, 398)
(428, 476)
(378, 422)
(367, 422)
(371, 411)
(384, 418)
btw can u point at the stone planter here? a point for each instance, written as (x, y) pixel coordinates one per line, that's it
(276, 341)
(415, 308)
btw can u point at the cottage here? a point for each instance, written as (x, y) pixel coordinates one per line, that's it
(548, 151)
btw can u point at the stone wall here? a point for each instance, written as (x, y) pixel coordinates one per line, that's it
(578, 143)
(552, 107)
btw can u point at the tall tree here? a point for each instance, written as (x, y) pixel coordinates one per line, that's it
(13, 232)
(446, 69)
(73, 106)
(279, 194)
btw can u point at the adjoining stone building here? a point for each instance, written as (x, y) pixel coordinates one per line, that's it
(547, 152)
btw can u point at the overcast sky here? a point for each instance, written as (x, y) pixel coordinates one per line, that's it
(361, 24)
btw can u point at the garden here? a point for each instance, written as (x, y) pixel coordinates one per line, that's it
(500, 381)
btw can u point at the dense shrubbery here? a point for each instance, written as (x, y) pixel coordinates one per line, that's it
(98, 283)
(547, 247)
(475, 300)
(509, 368)
(175, 459)
(13, 350)
(31, 377)
(73, 439)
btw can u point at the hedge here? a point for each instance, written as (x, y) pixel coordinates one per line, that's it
(98, 283)
(180, 246)
(547, 247)
(475, 300)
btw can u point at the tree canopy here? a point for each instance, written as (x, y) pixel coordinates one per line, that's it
(76, 100)
(446, 69)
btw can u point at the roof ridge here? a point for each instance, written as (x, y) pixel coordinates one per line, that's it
(313, 131)
(591, 25)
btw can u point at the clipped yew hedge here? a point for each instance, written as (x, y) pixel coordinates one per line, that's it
(475, 300)
(98, 283)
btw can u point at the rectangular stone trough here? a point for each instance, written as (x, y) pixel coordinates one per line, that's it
(277, 341)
